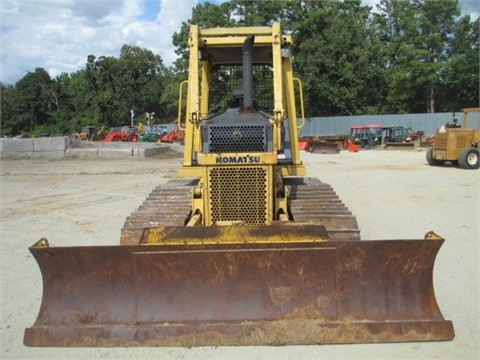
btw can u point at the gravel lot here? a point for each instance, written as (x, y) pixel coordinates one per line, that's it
(394, 194)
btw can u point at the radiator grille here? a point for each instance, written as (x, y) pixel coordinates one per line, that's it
(239, 138)
(440, 141)
(238, 194)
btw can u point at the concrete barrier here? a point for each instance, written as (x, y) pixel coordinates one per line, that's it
(16, 148)
(60, 147)
(115, 153)
(147, 152)
(51, 148)
(87, 153)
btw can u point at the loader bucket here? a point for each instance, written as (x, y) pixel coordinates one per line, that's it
(238, 294)
(323, 147)
(399, 146)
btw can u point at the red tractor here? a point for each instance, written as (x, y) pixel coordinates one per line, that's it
(173, 135)
(125, 133)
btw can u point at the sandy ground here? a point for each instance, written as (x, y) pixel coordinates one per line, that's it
(394, 195)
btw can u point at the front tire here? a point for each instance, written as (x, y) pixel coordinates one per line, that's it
(469, 158)
(431, 160)
(132, 138)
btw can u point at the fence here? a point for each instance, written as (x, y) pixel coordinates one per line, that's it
(340, 125)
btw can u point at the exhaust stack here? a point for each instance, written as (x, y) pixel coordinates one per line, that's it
(247, 51)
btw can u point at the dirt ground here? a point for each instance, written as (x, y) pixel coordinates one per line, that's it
(395, 195)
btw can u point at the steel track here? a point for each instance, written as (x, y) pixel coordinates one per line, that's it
(310, 201)
(167, 205)
(313, 201)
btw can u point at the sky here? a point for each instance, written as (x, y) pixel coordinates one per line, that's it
(58, 35)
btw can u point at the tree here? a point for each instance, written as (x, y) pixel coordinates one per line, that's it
(140, 80)
(409, 56)
(134, 81)
(436, 20)
(396, 26)
(169, 95)
(101, 74)
(339, 59)
(460, 75)
(416, 34)
(7, 114)
(75, 102)
(32, 102)
(204, 15)
(264, 13)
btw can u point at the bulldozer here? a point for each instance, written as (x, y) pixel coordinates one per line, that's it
(242, 248)
(457, 144)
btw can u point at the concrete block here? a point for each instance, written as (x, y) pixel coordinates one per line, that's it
(86, 153)
(49, 155)
(17, 145)
(115, 153)
(51, 144)
(147, 152)
(139, 152)
(13, 155)
(154, 151)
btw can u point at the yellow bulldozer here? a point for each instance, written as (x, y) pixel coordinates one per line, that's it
(243, 248)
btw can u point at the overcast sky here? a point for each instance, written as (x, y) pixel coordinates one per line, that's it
(58, 35)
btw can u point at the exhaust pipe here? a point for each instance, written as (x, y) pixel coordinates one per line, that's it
(247, 51)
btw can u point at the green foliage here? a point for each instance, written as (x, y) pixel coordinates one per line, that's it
(31, 103)
(205, 15)
(417, 35)
(402, 57)
(7, 111)
(461, 71)
(169, 97)
(340, 60)
(74, 102)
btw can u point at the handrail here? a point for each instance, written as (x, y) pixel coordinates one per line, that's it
(179, 117)
(301, 102)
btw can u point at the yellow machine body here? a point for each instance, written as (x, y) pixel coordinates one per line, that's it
(459, 145)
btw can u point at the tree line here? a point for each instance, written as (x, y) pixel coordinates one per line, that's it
(404, 56)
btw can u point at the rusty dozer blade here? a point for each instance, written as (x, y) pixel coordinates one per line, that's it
(323, 147)
(238, 294)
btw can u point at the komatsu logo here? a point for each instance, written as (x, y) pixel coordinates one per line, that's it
(238, 159)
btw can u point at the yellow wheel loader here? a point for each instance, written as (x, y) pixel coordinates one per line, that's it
(242, 248)
(457, 144)
(88, 133)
